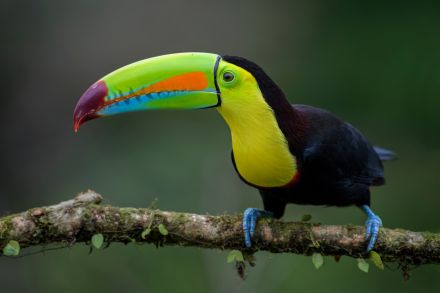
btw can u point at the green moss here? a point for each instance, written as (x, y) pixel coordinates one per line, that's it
(125, 212)
(176, 220)
(430, 237)
(5, 228)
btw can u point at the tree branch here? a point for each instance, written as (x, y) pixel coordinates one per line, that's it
(77, 220)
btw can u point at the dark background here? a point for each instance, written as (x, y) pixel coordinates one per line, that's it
(373, 63)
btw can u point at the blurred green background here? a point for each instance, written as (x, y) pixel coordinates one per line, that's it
(373, 63)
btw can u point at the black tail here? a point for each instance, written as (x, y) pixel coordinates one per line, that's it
(384, 154)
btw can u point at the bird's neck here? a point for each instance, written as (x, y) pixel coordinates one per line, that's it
(261, 151)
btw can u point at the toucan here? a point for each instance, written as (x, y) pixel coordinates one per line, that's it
(291, 153)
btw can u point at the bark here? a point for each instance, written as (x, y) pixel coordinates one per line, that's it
(77, 220)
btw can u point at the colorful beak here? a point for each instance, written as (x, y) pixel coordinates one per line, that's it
(175, 81)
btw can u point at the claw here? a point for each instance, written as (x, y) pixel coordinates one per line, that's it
(372, 226)
(250, 218)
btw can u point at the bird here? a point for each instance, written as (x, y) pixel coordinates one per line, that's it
(291, 153)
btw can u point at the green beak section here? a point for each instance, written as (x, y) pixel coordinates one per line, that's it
(175, 81)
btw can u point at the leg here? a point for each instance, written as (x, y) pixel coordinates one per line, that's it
(272, 209)
(250, 218)
(372, 226)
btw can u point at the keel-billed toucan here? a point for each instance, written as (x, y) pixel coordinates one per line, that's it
(290, 153)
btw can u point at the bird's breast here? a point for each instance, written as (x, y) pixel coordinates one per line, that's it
(263, 158)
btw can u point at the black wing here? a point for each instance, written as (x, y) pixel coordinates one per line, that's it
(337, 160)
(338, 147)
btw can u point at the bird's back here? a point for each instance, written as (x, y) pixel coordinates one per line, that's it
(337, 165)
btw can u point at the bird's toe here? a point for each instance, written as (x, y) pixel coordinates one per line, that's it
(372, 227)
(249, 222)
(250, 218)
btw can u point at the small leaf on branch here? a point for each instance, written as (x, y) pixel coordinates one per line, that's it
(234, 255)
(376, 260)
(163, 230)
(317, 260)
(363, 265)
(12, 248)
(97, 240)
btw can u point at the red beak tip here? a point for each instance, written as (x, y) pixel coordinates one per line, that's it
(77, 121)
(90, 101)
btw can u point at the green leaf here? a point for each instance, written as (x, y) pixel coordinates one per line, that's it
(97, 240)
(239, 256)
(376, 260)
(317, 260)
(234, 255)
(163, 230)
(231, 257)
(363, 265)
(12, 248)
(145, 233)
(306, 218)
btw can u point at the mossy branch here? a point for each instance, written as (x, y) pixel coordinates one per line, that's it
(77, 220)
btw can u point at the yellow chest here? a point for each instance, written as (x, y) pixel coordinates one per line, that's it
(267, 165)
(261, 152)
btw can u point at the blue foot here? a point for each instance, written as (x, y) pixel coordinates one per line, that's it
(250, 218)
(372, 226)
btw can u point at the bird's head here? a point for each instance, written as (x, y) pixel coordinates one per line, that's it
(174, 81)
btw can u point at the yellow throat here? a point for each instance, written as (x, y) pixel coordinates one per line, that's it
(261, 152)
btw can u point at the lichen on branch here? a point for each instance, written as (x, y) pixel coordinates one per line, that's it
(78, 219)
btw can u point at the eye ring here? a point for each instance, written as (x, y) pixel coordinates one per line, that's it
(228, 76)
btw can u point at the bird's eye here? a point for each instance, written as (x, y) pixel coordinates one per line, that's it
(228, 76)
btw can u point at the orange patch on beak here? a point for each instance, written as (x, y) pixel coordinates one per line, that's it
(193, 81)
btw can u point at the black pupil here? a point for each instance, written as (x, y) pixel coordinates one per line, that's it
(227, 76)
